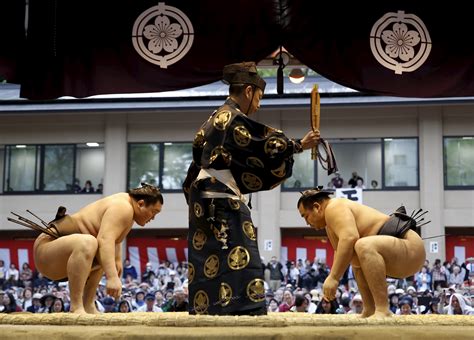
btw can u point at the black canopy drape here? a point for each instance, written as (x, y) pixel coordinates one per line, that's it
(81, 48)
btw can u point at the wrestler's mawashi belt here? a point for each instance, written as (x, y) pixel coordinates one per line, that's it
(49, 229)
(399, 222)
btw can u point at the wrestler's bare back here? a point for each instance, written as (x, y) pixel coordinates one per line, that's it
(367, 220)
(89, 219)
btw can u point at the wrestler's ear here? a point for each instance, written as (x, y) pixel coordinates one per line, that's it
(141, 203)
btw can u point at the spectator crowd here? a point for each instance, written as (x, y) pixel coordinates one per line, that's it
(295, 286)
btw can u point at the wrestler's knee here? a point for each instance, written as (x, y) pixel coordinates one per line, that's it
(362, 247)
(87, 245)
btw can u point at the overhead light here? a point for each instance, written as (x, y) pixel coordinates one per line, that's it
(168, 143)
(296, 75)
(92, 144)
(467, 138)
(20, 146)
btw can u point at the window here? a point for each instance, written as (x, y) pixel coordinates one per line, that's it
(21, 168)
(459, 161)
(303, 172)
(400, 162)
(362, 156)
(389, 163)
(177, 158)
(162, 164)
(58, 168)
(144, 164)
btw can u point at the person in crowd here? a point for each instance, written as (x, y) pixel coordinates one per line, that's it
(353, 181)
(377, 245)
(438, 273)
(233, 155)
(12, 275)
(47, 301)
(129, 269)
(10, 305)
(109, 304)
(100, 188)
(374, 184)
(124, 307)
(139, 300)
(423, 279)
(149, 305)
(58, 306)
(337, 181)
(276, 274)
(405, 306)
(356, 305)
(457, 306)
(287, 301)
(36, 304)
(26, 298)
(179, 303)
(327, 307)
(300, 305)
(88, 188)
(26, 275)
(273, 306)
(84, 245)
(360, 184)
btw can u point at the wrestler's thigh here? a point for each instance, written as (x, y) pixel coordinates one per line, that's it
(51, 256)
(402, 257)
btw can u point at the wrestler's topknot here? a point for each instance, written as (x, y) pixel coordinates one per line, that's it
(310, 196)
(148, 193)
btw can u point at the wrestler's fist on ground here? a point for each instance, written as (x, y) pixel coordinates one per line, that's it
(113, 287)
(329, 288)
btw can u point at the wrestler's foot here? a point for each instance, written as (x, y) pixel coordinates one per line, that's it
(366, 312)
(91, 309)
(78, 311)
(381, 315)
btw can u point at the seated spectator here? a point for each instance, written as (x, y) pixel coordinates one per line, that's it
(100, 188)
(76, 187)
(353, 181)
(356, 305)
(273, 306)
(26, 298)
(301, 304)
(327, 307)
(124, 307)
(149, 305)
(129, 269)
(405, 306)
(10, 305)
(139, 299)
(88, 188)
(109, 304)
(374, 184)
(287, 301)
(337, 181)
(180, 303)
(36, 304)
(58, 306)
(360, 184)
(457, 306)
(47, 301)
(26, 275)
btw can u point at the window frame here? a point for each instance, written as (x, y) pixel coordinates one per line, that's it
(39, 171)
(445, 167)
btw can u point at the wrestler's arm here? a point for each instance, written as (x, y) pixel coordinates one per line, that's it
(116, 218)
(341, 222)
(118, 259)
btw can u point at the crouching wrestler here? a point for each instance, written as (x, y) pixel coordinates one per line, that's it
(82, 246)
(377, 245)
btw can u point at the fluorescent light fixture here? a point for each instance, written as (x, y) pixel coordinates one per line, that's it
(168, 143)
(388, 139)
(467, 138)
(92, 144)
(20, 146)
